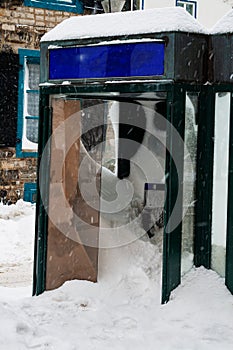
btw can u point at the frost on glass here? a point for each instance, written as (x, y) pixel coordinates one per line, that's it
(34, 76)
(31, 106)
(32, 130)
(220, 181)
(190, 139)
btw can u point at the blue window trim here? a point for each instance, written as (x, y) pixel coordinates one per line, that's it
(34, 57)
(189, 2)
(58, 5)
(30, 192)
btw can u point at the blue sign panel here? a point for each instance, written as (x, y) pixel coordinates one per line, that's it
(107, 61)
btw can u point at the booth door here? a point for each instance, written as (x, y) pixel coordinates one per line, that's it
(107, 180)
(222, 208)
(189, 180)
(73, 210)
(220, 182)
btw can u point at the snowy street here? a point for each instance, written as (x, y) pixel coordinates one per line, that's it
(121, 311)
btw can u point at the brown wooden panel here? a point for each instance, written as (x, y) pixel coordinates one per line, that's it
(72, 251)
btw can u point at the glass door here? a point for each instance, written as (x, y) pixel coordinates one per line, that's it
(106, 179)
(189, 181)
(220, 182)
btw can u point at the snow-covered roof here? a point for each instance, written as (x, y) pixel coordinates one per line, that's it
(125, 23)
(224, 25)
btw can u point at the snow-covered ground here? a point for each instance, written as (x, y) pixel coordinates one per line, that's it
(16, 243)
(122, 311)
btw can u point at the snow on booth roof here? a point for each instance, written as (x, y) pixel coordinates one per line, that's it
(125, 23)
(224, 25)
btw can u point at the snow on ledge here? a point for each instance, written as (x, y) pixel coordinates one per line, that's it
(125, 23)
(224, 25)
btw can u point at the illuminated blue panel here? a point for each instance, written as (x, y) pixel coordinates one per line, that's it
(107, 61)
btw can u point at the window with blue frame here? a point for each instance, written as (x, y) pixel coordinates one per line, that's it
(28, 103)
(131, 5)
(59, 5)
(189, 5)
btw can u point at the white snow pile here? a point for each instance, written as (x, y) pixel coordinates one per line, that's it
(125, 23)
(14, 210)
(120, 312)
(224, 25)
(17, 223)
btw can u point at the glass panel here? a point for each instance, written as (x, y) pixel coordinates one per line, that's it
(34, 76)
(132, 203)
(189, 8)
(106, 61)
(220, 181)
(95, 140)
(32, 130)
(136, 4)
(70, 2)
(189, 195)
(32, 104)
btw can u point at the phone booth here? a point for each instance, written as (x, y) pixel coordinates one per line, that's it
(120, 100)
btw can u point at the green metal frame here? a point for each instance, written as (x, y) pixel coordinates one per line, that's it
(40, 247)
(172, 239)
(76, 5)
(204, 180)
(45, 130)
(205, 165)
(176, 92)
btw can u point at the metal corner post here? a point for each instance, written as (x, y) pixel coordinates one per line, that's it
(172, 237)
(40, 248)
(204, 185)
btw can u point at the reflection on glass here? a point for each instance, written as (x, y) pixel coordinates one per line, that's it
(33, 104)
(131, 207)
(32, 130)
(134, 193)
(190, 139)
(34, 76)
(220, 181)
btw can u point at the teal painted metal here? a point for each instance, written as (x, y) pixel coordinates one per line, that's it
(176, 116)
(58, 5)
(29, 194)
(33, 56)
(172, 237)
